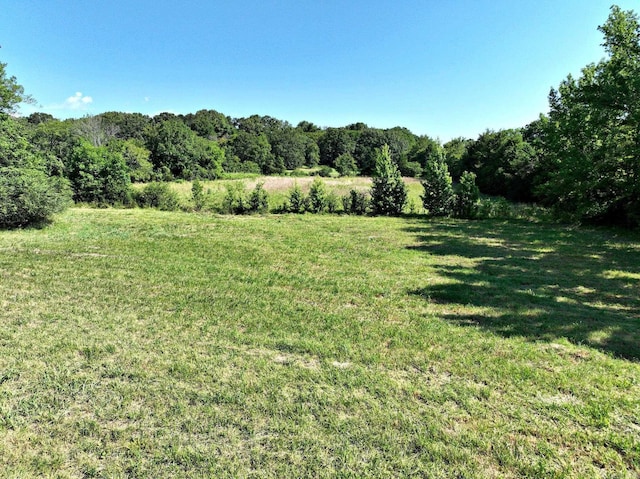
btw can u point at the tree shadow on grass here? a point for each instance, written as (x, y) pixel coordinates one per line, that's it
(541, 282)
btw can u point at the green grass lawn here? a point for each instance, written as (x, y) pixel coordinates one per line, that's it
(139, 343)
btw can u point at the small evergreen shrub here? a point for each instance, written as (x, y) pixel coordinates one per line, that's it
(235, 201)
(259, 199)
(467, 198)
(388, 193)
(197, 194)
(355, 203)
(317, 202)
(296, 201)
(438, 197)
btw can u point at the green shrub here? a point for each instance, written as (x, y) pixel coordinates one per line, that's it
(235, 201)
(98, 175)
(388, 193)
(332, 202)
(327, 172)
(197, 194)
(259, 199)
(30, 197)
(438, 196)
(317, 202)
(296, 201)
(158, 195)
(466, 200)
(355, 203)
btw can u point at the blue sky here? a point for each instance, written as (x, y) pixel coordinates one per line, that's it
(443, 68)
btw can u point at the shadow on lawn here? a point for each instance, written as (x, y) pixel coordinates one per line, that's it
(541, 282)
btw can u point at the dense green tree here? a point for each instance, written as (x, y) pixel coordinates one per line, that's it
(179, 150)
(467, 196)
(455, 152)
(365, 151)
(333, 143)
(593, 133)
(505, 164)
(38, 117)
(98, 175)
(346, 165)
(256, 150)
(29, 193)
(438, 196)
(289, 146)
(126, 126)
(210, 124)
(388, 191)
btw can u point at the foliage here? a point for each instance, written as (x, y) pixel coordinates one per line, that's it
(467, 197)
(235, 201)
(174, 146)
(11, 93)
(455, 152)
(98, 175)
(355, 203)
(210, 124)
(346, 165)
(29, 196)
(505, 164)
(333, 143)
(157, 195)
(256, 150)
(197, 195)
(388, 192)
(438, 195)
(258, 199)
(593, 133)
(317, 201)
(296, 200)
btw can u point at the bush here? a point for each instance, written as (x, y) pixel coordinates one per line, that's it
(197, 194)
(317, 202)
(30, 197)
(466, 200)
(158, 195)
(235, 201)
(346, 165)
(98, 175)
(438, 196)
(259, 199)
(355, 203)
(327, 172)
(296, 201)
(388, 193)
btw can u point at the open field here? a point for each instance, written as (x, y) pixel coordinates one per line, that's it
(139, 343)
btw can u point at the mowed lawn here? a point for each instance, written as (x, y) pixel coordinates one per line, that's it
(139, 343)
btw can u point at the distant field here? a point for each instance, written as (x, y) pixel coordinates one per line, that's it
(139, 343)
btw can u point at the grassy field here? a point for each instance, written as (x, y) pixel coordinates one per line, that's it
(139, 343)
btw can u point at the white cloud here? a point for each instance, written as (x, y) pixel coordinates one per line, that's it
(78, 101)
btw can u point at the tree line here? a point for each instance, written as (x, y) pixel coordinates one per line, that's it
(582, 158)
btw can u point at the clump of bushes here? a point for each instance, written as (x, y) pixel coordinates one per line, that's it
(157, 195)
(355, 203)
(236, 201)
(29, 197)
